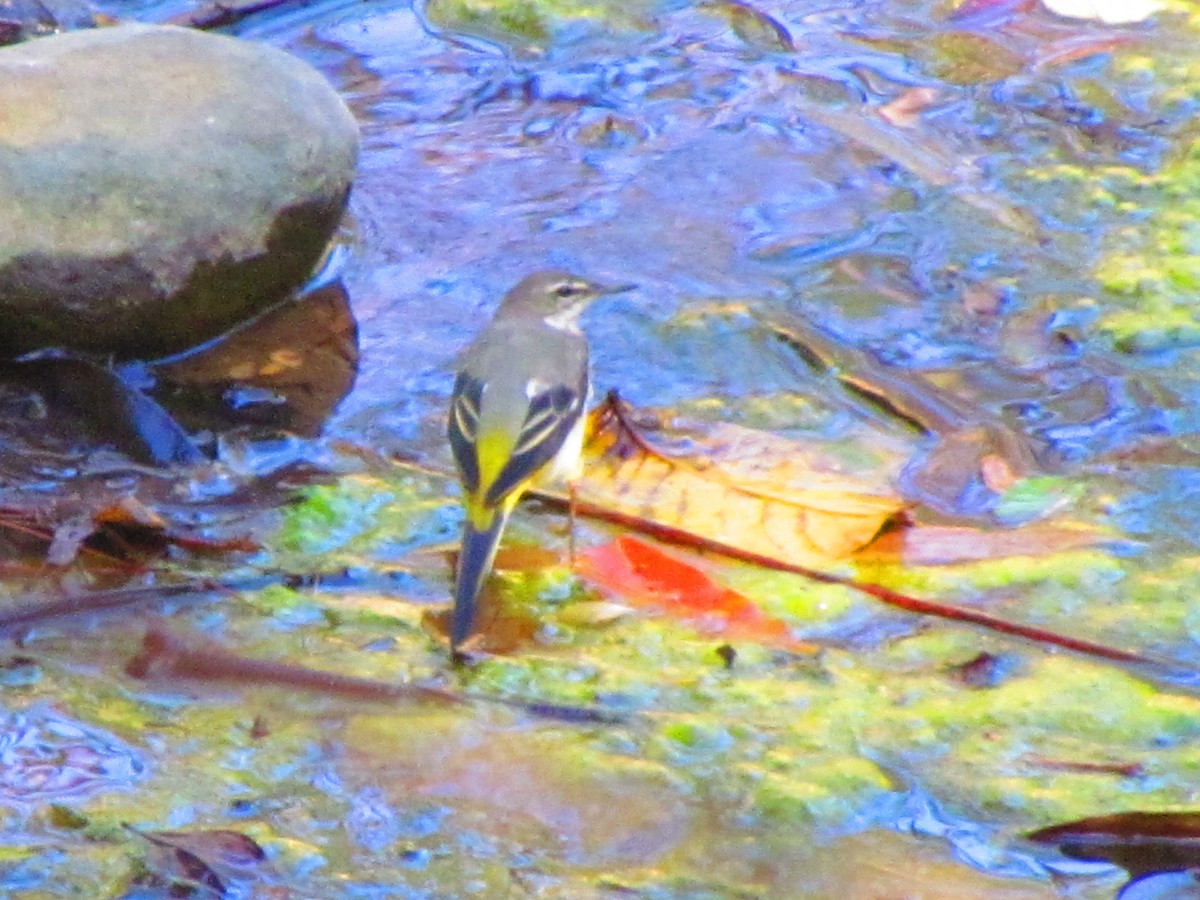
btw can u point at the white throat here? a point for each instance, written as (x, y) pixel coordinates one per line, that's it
(567, 319)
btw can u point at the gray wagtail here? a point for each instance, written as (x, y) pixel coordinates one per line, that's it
(517, 415)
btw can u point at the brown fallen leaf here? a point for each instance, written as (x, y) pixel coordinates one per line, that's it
(752, 25)
(128, 510)
(976, 455)
(738, 487)
(499, 629)
(208, 863)
(135, 529)
(1139, 842)
(944, 545)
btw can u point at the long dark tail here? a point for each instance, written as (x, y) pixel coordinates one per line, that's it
(475, 559)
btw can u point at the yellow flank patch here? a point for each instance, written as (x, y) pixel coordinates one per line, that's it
(481, 516)
(493, 449)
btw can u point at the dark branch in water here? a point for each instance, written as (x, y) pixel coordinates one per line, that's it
(166, 657)
(222, 15)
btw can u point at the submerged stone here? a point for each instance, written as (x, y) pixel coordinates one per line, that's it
(24, 19)
(159, 186)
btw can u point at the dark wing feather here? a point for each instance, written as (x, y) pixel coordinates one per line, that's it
(463, 428)
(552, 414)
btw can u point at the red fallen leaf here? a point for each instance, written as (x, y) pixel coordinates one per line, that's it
(641, 573)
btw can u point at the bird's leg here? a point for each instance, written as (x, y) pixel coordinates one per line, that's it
(572, 511)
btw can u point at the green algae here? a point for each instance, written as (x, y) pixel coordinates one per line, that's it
(360, 518)
(1149, 266)
(818, 791)
(524, 22)
(1153, 268)
(1034, 498)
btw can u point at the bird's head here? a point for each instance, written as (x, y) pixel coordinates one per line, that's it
(556, 296)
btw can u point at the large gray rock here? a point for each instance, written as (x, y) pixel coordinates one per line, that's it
(160, 185)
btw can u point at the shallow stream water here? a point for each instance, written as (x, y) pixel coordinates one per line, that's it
(994, 204)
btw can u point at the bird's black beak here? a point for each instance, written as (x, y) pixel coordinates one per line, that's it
(605, 289)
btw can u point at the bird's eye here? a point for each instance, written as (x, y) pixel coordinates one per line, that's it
(568, 289)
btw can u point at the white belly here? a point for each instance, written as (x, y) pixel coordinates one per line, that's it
(567, 464)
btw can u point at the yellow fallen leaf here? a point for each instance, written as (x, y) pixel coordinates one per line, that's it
(741, 488)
